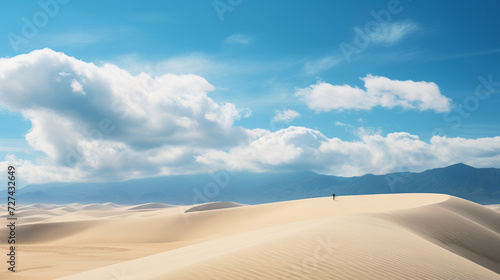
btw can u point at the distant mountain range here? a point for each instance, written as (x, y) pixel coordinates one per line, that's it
(481, 185)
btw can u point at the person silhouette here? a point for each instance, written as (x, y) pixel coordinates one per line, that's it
(333, 196)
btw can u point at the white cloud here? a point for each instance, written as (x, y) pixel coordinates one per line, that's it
(380, 91)
(77, 87)
(303, 148)
(290, 149)
(285, 116)
(391, 32)
(320, 65)
(238, 39)
(131, 126)
(124, 125)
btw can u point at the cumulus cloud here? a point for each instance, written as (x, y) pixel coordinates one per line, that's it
(307, 149)
(103, 118)
(380, 91)
(285, 116)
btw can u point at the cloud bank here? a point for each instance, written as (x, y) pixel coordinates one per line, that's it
(300, 148)
(99, 122)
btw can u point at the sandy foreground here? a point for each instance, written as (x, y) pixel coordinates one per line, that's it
(396, 236)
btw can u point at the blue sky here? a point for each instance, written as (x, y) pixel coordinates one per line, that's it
(283, 68)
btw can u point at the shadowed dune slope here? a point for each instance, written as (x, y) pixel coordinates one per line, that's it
(213, 206)
(149, 206)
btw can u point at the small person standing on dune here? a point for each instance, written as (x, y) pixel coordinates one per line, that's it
(333, 196)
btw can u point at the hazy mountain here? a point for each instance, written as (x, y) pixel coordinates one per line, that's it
(477, 184)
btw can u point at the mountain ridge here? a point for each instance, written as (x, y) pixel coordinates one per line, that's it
(481, 185)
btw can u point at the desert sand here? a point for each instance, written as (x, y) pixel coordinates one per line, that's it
(394, 236)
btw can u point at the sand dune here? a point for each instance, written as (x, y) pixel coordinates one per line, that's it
(69, 209)
(403, 236)
(495, 207)
(149, 206)
(213, 206)
(98, 206)
(42, 206)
